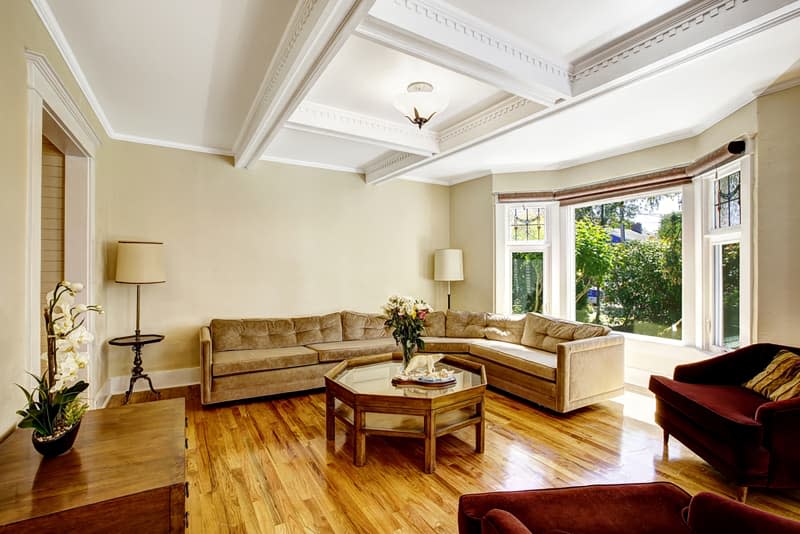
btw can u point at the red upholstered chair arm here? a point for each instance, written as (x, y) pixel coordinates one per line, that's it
(710, 513)
(502, 522)
(735, 367)
(781, 422)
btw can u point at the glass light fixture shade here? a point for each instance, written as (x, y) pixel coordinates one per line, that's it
(420, 102)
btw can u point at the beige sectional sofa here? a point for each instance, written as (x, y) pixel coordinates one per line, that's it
(561, 365)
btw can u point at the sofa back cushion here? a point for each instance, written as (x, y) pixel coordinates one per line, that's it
(434, 324)
(465, 324)
(363, 326)
(545, 333)
(505, 327)
(242, 334)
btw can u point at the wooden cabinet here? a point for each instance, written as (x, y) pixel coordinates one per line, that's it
(126, 473)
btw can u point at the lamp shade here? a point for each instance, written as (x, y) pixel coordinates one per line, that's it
(448, 265)
(140, 262)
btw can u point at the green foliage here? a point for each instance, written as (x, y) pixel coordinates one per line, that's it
(640, 285)
(593, 257)
(47, 411)
(527, 282)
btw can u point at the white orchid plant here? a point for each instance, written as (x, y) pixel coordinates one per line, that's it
(53, 405)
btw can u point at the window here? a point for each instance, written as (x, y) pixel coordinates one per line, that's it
(628, 264)
(524, 257)
(724, 291)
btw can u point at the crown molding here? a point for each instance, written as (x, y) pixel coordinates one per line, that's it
(314, 164)
(778, 87)
(679, 37)
(50, 23)
(328, 120)
(444, 35)
(171, 144)
(391, 166)
(486, 122)
(43, 79)
(316, 31)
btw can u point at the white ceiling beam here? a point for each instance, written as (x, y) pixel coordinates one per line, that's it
(677, 38)
(327, 120)
(502, 117)
(437, 33)
(316, 31)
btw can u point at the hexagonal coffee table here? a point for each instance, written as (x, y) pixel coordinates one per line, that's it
(360, 394)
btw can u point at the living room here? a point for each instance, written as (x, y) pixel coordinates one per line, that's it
(268, 212)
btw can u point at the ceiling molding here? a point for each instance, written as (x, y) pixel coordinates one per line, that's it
(46, 83)
(686, 33)
(48, 18)
(316, 31)
(440, 34)
(389, 167)
(171, 144)
(778, 87)
(316, 165)
(327, 120)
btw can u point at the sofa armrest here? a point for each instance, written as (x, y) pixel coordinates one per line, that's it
(781, 422)
(709, 512)
(501, 522)
(589, 368)
(735, 367)
(206, 360)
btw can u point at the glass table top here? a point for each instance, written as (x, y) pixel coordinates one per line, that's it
(376, 379)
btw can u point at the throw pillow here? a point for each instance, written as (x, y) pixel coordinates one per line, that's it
(780, 380)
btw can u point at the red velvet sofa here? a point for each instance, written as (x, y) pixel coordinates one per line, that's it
(650, 508)
(748, 438)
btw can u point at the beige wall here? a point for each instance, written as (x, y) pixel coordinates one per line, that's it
(472, 230)
(20, 28)
(741, 122)
(778, 218)
(277, 240)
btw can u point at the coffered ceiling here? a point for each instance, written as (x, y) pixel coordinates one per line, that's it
(532, 84)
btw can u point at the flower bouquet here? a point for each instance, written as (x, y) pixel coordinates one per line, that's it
(53, 408)
(406, 315)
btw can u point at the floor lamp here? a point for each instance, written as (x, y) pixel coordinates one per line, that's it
(448, 266)
(140, 262)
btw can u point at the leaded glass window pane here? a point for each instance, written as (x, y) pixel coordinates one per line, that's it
(727, 201)
(526, 223)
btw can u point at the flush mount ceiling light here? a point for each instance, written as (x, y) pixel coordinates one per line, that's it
(419, 103)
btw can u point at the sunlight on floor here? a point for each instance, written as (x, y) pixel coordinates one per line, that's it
(639, 406)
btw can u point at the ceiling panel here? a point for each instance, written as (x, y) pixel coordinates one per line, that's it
(675, 104)
(567, 30)
(364, 77)
(185, 71)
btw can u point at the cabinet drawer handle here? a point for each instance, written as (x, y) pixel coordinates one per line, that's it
(186, 520)
(186, 485)
(186, 443)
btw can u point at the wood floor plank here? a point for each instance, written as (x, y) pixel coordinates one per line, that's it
(264, 466)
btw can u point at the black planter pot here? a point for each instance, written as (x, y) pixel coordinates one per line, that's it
(59, 445)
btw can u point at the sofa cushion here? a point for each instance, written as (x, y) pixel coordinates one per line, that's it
(363, 326)
(505, 327)
(233, 362)
(722, 410)
(780, 380)
(524, 359)
(447, 344)
(434, 324)
(545, 333)
(343, 350)
(465, 324)
(242, 334)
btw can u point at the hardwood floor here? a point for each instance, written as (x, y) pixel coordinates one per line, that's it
(265, 466)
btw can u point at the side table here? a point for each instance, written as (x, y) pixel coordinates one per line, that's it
(136, 343)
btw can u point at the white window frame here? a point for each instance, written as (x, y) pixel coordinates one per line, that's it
(707, 237)
(505, 247)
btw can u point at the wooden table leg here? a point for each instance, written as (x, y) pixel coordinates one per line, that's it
(359, 439)
(480, 427)
(430, 443)
(330, 419)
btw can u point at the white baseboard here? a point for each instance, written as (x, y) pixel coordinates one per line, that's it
(161, 380)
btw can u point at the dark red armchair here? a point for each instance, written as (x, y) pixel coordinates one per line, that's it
(650, 508)
(748, 438)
